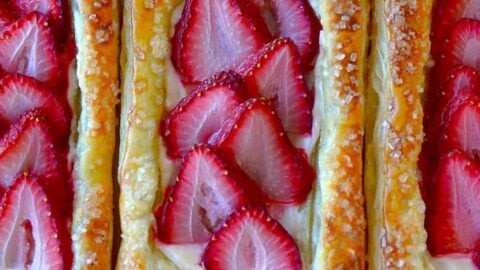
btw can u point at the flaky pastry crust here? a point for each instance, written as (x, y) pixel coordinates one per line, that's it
(96, 33)
(340, 76)
(400, 51)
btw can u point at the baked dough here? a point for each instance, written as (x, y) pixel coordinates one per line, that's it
(400, 51)
(334, 213)
(96, 31)
(339, 221)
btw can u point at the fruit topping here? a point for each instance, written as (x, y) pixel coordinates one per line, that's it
(201, 113)
(449, 12)
(297, 20)
(51, 8)
(453, 220)
(213, 36)
(253, 137)
(250, 239)
(275, 72)
(7, 14)
(463, 46)
(463, 130)
(27, 48)
(29, 236)
(460, 79)
(20, 94)
(206, 191)
(28, 148)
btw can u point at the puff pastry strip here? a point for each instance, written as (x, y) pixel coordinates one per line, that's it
(146, 46)
(96, 32)
(395, 208)
(339, 226)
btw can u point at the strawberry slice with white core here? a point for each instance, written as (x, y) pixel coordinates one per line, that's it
(27, 48)
(460, 79)
(28, 232)
(213, 36)
(450, 12)
(275, 72)
(201, 113)
(463, 47)
(250, 239)
(453, 219)
(28, 147)
(20, 94)
(52, 8)
(253, 137)
(297, 20)
(205, 193)
(8, 14)
(463, 131)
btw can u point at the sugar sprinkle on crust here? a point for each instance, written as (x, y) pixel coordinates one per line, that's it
(396, 210)
(146, 45)
(342, 66)
(96, 29)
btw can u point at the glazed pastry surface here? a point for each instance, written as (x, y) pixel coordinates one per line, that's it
(96, 30)
(400, 51)
(338, 205)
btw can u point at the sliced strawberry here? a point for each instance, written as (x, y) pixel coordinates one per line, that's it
(201, 113)
(463, 46)
(29, 236)
(253, 137)
(27, 47)
(463, 131)
(20, 94)
(250, 239)
(205, 193)
(460, 79)
(8, 14)
(275, 72)
(450, 12)
(297, 20)
(453, 220)
(213, 36)
(51, 8)
(28, 148)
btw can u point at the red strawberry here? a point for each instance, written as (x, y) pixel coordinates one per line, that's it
(461, 78)
(463, 130)
(28, 147)
(462, 85)
(8, 14)
(20, 94)
(297, 20)
(253, 137)
(51, 8)
(27, 47)
(453, 220)
(29, 235)
(250, 239)
(213, 36)
(205, 193)
(463, 46)
(201, 113)
(450, 12)
(275, 72)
